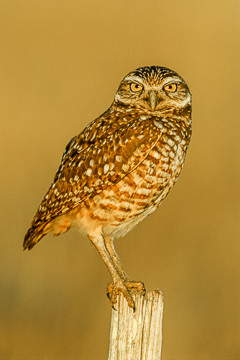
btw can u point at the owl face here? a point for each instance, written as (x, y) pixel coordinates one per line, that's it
(153, 88)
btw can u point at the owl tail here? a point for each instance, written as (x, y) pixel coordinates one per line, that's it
(33, 236)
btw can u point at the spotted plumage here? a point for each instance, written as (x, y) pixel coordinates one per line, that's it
(120, 167)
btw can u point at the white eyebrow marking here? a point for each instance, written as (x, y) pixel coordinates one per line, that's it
(133, 78)
(171, 78)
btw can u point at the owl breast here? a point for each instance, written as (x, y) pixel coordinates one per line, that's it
(121, 206)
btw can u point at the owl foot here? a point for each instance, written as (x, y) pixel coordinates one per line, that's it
(127, 289)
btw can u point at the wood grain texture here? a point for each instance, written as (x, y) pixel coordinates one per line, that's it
(137, 335)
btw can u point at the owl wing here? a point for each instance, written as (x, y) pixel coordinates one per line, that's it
(102, 155)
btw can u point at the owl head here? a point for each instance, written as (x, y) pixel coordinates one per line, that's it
(153, 89)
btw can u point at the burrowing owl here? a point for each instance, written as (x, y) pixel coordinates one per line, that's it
(120, 167)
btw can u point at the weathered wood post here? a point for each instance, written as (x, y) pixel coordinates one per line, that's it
(137, 335)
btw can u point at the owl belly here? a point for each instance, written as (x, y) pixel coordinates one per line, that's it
(122, 206)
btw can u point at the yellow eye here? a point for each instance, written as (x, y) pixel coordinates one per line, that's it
(136, 87)
(170, 87)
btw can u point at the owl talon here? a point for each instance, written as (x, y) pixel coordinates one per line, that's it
(127, 289)
(112, 295)
(114, 289)
(136, 286)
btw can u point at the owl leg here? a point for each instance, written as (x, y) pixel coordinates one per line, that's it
(132, 286)
(110, 248)
(119, 283)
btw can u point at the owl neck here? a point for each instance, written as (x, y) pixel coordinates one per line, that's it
(177, 113)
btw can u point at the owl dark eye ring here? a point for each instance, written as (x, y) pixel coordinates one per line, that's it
(136, 87)
(171, 87)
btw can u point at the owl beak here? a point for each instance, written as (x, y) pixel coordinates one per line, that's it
(152, 100)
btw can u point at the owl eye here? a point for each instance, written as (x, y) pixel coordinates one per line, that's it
(171, 87)
(136, 87)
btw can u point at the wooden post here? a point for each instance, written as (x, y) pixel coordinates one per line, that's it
(137, 335)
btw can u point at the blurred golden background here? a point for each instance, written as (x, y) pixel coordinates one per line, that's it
(60, 65)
